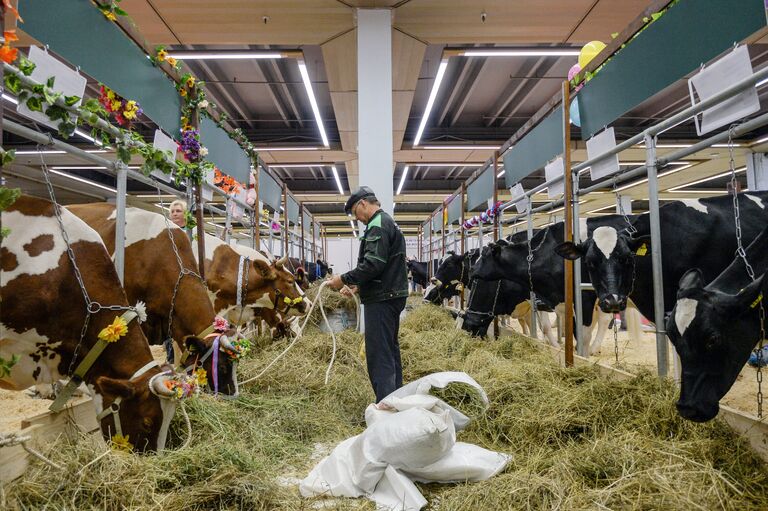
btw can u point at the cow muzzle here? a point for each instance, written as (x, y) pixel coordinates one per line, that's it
(613, 303)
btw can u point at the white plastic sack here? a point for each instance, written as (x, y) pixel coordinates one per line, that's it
(413, 442)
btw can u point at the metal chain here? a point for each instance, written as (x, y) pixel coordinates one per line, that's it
(91, 307)
(182, 270)
(630, 228)
(750, 271)
(615, 340)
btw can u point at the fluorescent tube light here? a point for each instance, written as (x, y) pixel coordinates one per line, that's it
(232, 54)
(284, 148)
(312, 101)
(521, 53)
(467, 147)
(500, 173)
(81, 180)
(338, 181)
(431, 100)
(10, 99)
(402, 180)
(705, 179)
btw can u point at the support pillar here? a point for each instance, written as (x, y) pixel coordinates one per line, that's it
(374, 103)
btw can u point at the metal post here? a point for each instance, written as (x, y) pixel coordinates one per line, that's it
(286, 231)
(122, 191)
(658, 283)
(431, 248)
(303, 257)
(228, 221)
(463, 240)
(582, 344)
(256, 232)
(529, 218)
(495, 227)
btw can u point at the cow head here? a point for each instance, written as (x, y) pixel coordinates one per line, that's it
(714, 334)
(225, 370)
(498, 259)
(301, 278)
(609, 255)
(289, 296)
(140, 411)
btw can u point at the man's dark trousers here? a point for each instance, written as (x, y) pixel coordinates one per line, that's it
(382, 349)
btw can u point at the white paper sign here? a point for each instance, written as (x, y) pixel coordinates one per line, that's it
(68, 82)
(206, 190)
(601, 144)
(237, 210)
(553, 170)
(166, 143)
(711, 80)
(518, 196)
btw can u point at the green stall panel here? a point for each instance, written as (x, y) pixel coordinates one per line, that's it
(293, 210)
(690, 33)
(480, 190)
(535, 149)
(270, 192)
(224, 152)
(78, 32)
(454, 209)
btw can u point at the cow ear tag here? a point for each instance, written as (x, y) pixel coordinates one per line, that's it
(757, 300)
(642, 250)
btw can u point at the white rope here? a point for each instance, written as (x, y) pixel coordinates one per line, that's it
(301, 333)
(189, 427)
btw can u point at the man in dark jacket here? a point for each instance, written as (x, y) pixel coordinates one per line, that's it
(381, 278)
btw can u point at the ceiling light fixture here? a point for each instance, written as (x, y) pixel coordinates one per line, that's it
(402, 180)
(224, 54)
(441, 164)
(500, 174)
(296, 165)
(338, 181)
(312, 101)
(467, 147)
(431, 100)
(530, 52)
(705, 179)
(81, 180)
(10, 99)
(286, 148)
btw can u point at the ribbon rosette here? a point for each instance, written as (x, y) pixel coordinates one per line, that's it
(114, 331)
(240, 348)
(183, 386)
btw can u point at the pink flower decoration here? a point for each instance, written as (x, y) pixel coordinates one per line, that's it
(220, 324)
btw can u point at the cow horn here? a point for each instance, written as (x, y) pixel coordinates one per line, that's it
(158, 385)
(281, 262)
(225, 343)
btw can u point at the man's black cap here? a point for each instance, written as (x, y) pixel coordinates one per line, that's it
(363, 192)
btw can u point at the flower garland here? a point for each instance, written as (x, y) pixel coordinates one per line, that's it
(111, 10)
(485, 217)
(183, 385)
(125, 111)
(161, 55)
(228, 184)
(8, 54)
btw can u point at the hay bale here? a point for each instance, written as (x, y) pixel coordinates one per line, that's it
(578, 441)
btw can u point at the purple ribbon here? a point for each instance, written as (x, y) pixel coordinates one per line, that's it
(215, 365)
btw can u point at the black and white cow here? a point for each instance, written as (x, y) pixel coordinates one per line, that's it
(451, 276)
(714, 328)
(694, 234)
(419, 271)
(508, 260)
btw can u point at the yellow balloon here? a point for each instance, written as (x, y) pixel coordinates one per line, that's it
(589, 51)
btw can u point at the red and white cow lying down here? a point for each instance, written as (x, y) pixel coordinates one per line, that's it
(151, 273)
(44, 310)
(271, 292)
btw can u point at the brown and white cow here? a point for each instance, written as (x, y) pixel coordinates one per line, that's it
(269, 285)
(44, 310)
(151, 274)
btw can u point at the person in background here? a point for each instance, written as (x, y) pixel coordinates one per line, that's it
(381, 278)
(178, 209)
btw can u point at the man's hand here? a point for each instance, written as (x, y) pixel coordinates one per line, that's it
(335, 282)
(348, 291)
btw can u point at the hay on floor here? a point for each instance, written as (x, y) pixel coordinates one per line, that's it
(577, 440)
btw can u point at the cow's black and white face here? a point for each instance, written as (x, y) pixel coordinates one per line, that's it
(609, 256)
(714, 334)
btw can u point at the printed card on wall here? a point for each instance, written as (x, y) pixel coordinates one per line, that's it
(66, 81)
(713, 79)
(601, 144)
(554, 169)
(518, 196)
(166, 143)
